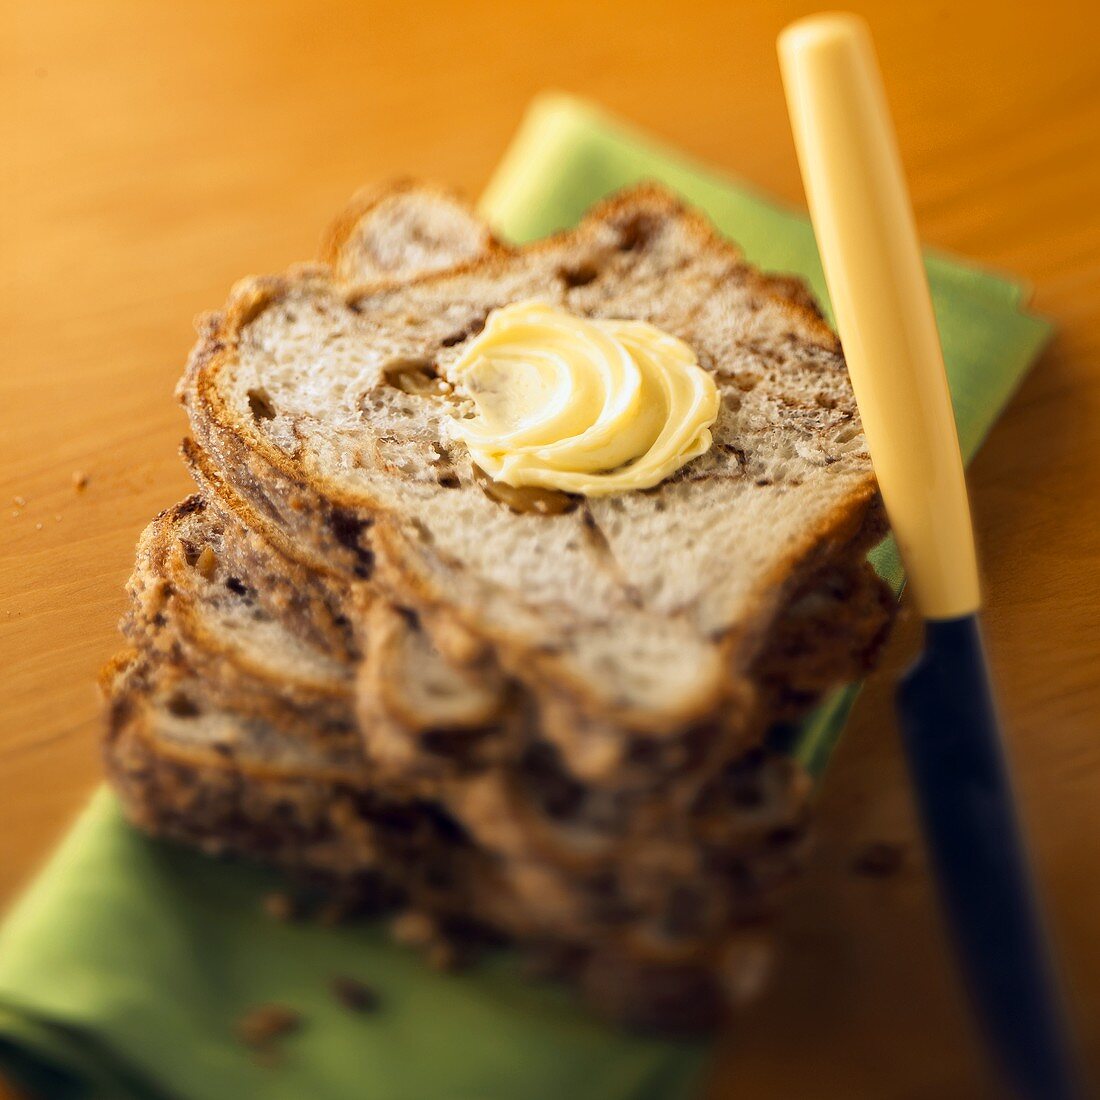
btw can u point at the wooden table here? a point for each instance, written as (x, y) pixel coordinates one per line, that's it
(155, 152)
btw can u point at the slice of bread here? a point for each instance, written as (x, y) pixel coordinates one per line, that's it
(407, 687)
(638, 613)
(310, 597)
(207, 597)
(191, 727)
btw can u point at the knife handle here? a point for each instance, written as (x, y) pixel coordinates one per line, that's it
(868, 240)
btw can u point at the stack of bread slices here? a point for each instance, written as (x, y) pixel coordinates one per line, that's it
(542, 717)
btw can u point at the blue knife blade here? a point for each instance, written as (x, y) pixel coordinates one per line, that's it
(956, 756)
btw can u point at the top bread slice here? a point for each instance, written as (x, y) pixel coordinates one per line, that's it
(644, 610)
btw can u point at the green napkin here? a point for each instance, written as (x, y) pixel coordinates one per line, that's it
(125, 966)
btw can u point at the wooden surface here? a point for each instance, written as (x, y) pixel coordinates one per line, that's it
(155, 152)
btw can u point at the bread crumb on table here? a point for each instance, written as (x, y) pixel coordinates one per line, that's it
(354, 995)
(259, 1027)
(442, 955)
(80, 480)
(279, 905)
(19, 501)
(413, 929)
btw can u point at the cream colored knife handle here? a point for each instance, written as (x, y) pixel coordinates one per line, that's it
(867, 236)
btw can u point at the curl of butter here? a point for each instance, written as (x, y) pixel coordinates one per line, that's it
(585, 406)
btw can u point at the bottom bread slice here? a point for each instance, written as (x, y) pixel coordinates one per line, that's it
(233, 785)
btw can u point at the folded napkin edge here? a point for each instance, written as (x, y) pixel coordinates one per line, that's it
(557, 120)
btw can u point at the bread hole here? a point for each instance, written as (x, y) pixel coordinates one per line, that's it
(847, 433)
(472, 329)
(449, 481)
(413, 375)
(180, 705)
(580, 275)
(237, 586)
(596, 538)
(442, 823)
(556, 792)
(347, 528)
(825, 400)
(526, 499)
(636, 232)
(782, 836)
(423, 531)
(740, 458)
(455, 744)
(412, 619)
(190, 551)
(259, 404)
(745, 380)
(744, 782)
(394, 819)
